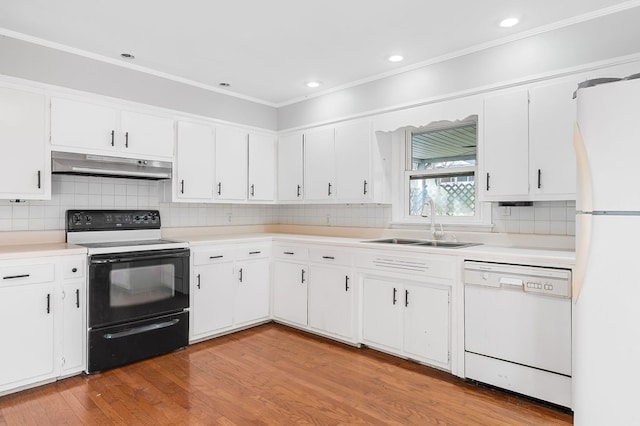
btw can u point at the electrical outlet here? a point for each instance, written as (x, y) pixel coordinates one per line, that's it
(505, 211)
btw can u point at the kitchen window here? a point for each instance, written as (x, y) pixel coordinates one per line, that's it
(441, 164)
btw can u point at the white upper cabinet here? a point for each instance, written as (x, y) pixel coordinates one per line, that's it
(552, 117)
(341, 164)
(319, 165)
(25, 164)
(194, 177)
(79, 126)
(262, 167)
(231, 164)
(290, 167)
(147, 134)
(528, 143)
(506, 146)
(353, 161)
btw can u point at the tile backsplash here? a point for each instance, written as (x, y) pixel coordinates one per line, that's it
(79, 192)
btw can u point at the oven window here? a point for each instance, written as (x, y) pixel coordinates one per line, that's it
(137, 285)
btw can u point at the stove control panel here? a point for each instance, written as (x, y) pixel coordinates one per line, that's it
(109, 220)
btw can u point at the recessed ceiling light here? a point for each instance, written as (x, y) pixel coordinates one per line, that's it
(509, 22)
(127, 56)
(395, 58)
(313, 84)
(224, 84)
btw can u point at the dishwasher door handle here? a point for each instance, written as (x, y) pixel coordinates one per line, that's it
(511, 282)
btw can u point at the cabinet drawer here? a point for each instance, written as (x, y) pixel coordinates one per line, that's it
(291, 252)
(72, 268)
(328, 256)
(213, 255)
(254, 252)
(27, 274)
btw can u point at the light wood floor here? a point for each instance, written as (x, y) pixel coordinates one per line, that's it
(272, 375)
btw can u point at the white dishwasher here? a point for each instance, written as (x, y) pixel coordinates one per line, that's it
(518, 329)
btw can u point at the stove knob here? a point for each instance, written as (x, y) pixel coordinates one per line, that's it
(88, 218)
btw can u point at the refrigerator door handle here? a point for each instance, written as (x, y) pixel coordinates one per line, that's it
(584, 191)
(584, 203)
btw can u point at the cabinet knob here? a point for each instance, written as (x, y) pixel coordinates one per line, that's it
(74, 270)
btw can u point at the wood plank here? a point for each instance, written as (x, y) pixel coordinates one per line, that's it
(273, 375)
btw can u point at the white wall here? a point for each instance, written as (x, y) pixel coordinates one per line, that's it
(42, 64)
(541, 55)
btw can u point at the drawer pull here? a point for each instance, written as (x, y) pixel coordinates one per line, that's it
(13, 277)
(254, 252)
(289, 253)
(216, 257)
(329, 257)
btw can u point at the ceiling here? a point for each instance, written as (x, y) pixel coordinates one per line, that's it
(267, 50)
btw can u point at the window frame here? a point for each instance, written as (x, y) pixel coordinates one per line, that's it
(482, 217)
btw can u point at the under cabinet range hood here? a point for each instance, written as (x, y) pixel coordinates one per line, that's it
(97, 165)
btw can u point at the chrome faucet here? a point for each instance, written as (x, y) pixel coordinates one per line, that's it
(429, 204)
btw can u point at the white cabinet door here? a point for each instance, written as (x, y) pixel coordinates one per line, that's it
(262, 167)
(27, 330)
(353, 162)
(251, 299)
(331, 300)
(24, 170)
(290, 167)
(382, 311)
(426, 323)
(84, 125)
(73, 328)
(194, 162)
(146, 134)
(506, 146)
(212, 290)
(290, 292)
(552, 157)
(319, 165)
(231, 164)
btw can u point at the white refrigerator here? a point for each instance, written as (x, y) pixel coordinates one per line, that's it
(606, 293)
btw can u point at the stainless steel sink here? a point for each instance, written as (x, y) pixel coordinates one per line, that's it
(423, 243)
(395, 241)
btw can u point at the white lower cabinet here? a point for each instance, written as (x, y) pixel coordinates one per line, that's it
(331, 300)
(251, 299)
(229, 288)
(212, 292)
(410, 319)
(426, 323)
(27, 329)
(382, 313)
(42, 320)
(290, 292)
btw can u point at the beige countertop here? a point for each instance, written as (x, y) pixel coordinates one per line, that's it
(13, 251)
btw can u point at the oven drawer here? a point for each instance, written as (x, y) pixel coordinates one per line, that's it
(26, 274)
(118, 345)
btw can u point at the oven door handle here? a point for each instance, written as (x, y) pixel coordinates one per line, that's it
(137, 258)
(141, 329)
